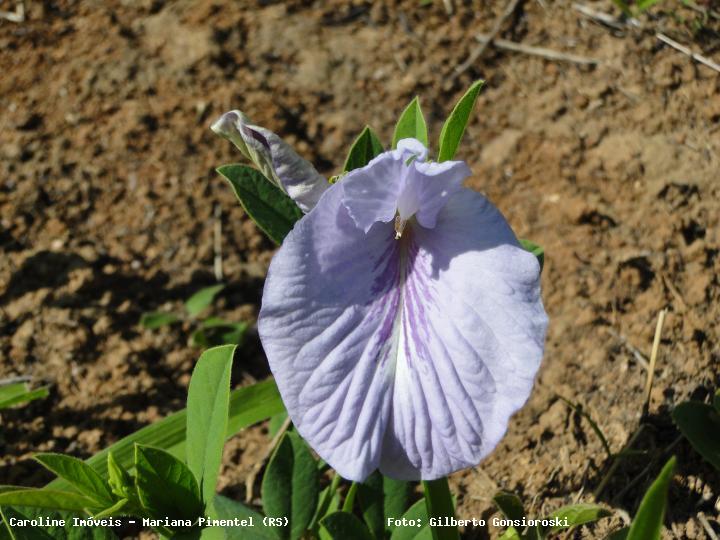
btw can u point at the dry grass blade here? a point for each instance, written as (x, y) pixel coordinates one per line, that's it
(683, 49)
(653, 359)
(542, 52)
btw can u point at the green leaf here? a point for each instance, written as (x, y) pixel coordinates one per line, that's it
(157, 319)
(271, 209)
(82, 477)
(643, 5)
(536, 250)
(396, 495)
(207, 416)
(202, 299)
(114, 510)
(290, 486)
(345, 526)
(620, 534)
(14, 394)
(454, 127)
(21, 533)
(512, 508)
(716, 401)
(119, 480)
(382, 498)
(365, 147)
(214, 332)
(700, 424)
(276, 422)
(577, 514)
(48, 498)
(411, 124)
(328, 502)
(248, 405)
(418, 514)
(165, 485)
(440, 505)
(647, 524)
(225, 508)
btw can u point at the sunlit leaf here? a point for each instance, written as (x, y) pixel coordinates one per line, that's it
(417, 514)
(454, 127)
(15, 394)
(536, 250)
(411, 124)
(271, 209)
(165, 485)
(48, 498)
(202, 299)
(207, 415)
(82, 477)
(647, 523)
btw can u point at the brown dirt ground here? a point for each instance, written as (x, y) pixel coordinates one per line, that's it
(107, 194)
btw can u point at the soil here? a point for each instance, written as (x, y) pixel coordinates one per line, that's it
(108, 197)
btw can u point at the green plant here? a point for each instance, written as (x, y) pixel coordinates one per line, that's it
(208, 332)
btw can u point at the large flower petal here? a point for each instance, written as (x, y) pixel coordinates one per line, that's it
(274, 157)
(405, 355)
(329, 305)
(473, 328)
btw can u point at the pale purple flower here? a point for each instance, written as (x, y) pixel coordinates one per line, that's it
(274, 158)
(402, 320)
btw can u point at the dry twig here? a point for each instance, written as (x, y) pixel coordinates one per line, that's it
(478, 52)
(542, 52)
(683, 49)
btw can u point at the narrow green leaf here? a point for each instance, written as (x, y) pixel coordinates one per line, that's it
(365, 147)
(290, 486)
(328, 502)
(417, 517)
(202, 299)
(214, 332)
(165, 485)
(349, 502)
(647, 523)
(9, 391)
(535, 249)
(21, 533)
(371, 496)
(276, 422)
(157, 319)
(119, 480)
(381, 498)
(512, 508)
(271, 209)
(345, 526)
(454, 127)
(644, 5)
(82, 477)
(207, 415)
(47, 498)
(577, 514)
(700, 424)
(27, 397)
(440, 506)
(248, 405)
(396, 498)
(411, 124)
(254, 529)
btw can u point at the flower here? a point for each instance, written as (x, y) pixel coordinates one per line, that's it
(274, 157)
(402, 320)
